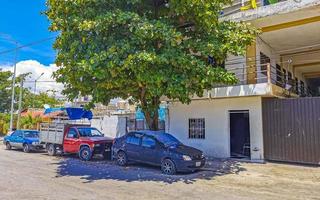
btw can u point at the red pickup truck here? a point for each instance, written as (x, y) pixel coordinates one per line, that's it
(84, 140)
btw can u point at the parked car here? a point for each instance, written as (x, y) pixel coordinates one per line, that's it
(159, 149)
(27, 140)
(83, 140)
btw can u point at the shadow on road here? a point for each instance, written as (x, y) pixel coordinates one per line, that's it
(107, 170)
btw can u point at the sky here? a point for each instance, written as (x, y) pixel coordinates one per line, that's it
(22, 21)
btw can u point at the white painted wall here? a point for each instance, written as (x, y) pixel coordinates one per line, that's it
(216, 114)
(112, 126)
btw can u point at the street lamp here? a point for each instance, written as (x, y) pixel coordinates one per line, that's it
(35, 87)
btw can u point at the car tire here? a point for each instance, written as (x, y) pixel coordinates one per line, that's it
(26, 148)
(168, 167)
(8, 146)
(51, 149)
(85, 153)
(122, 159)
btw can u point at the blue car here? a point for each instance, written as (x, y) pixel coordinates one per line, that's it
(159, 149)
(27, 140)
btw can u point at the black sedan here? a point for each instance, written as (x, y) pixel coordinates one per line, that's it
(156, 148)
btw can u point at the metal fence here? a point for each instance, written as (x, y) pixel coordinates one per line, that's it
(140, 124)
(291, 129)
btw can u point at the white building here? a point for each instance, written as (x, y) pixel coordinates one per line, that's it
(284, 61)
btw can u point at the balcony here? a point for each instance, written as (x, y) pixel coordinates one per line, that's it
(272, 75)
(243, 5)
(259, 80)
(251, 10)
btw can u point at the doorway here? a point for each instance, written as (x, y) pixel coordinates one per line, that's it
(239, 134)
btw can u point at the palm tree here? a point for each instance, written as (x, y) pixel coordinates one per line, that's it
(30, 122)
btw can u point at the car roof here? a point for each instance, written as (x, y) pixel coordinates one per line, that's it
(26, 130)
(149, 133)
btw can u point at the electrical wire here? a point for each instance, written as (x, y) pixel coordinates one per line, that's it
(27, 45)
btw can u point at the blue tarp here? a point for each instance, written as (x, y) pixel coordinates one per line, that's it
(51, 110)
(78, 113)
(73, 113)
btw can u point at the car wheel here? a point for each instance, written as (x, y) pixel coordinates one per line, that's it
(8, 146)
(122, 158)
(26, 148)
(85, 153)
(168, 167)
(51, 150)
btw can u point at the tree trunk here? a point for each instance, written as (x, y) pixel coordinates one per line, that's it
(150, 110)
(151, 114)
(152, 120)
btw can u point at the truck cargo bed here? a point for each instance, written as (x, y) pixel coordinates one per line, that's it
(52, 133)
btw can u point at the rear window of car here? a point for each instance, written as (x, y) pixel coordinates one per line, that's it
(31, 134)
(133, 140)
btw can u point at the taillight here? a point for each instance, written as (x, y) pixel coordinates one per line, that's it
(113, 142)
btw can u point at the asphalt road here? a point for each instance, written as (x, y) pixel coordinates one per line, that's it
(38, 176)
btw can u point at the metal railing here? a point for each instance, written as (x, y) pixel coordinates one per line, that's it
(266, 73)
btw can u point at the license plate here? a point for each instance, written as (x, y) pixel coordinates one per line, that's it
(198, 164)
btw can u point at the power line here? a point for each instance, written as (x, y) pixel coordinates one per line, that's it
(27, 45)
(41, 81)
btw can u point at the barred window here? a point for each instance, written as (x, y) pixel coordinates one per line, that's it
(197, 128)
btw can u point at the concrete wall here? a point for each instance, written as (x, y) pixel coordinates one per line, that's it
(217, 129)
(112, 126)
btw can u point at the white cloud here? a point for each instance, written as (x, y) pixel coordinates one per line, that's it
(36, 69)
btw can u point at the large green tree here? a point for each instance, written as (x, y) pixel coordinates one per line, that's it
(143, 49)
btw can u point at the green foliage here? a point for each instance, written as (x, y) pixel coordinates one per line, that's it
(5, 90)
(39, 100)
(143, 49)
(29, 122)
(29, 99)
(4, 123)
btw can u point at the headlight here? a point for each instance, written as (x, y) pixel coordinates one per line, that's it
(35, 143)
(186, 158)
(202, 156)
(97, 145)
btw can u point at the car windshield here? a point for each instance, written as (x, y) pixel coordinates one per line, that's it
(89, 132)
(31, 134)
(168, 140)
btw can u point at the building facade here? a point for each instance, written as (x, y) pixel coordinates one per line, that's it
(283, 62)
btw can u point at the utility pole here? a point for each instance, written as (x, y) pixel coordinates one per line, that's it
(13, 85)
(20, 103)
(35, 89)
